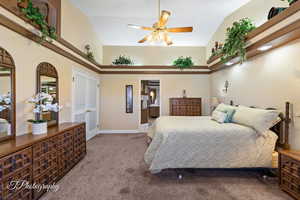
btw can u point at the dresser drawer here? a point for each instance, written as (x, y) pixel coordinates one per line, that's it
(15, 162)
(44, 156)
(7, 192)
(65, 152)
(290, 176)
(48, 178)
(291, 166)
(79, 144)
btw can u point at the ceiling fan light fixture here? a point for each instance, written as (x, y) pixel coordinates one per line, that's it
(159, 29)
(165, 14)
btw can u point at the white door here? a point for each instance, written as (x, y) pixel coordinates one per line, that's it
(85, 102)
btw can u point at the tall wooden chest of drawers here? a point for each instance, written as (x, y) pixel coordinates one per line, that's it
(185, 107)
(289, 176)
(42, 159)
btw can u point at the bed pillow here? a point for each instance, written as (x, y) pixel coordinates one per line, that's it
(229, 110)
(219, 116)
(258, 119)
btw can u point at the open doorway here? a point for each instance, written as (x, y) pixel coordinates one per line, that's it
(150, 101)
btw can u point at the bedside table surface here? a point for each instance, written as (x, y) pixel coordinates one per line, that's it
(291, 153)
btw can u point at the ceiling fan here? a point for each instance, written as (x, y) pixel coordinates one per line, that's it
(160, 32)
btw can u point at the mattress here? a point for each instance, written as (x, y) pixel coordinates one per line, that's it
(199, 142)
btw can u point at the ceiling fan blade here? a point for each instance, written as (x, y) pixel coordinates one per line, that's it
(145, 39)
(140, 27)
(164, 17)
(180, 30)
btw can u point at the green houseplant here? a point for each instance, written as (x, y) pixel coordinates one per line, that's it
(235, 43)
(123, 60)
(183, 62)
(34, 14)
(89, 53)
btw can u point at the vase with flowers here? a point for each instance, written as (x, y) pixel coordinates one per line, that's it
(42, 102)
(5, 101)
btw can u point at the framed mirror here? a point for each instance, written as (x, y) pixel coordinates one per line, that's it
(7, 96)
(129, 98)
(47, 82)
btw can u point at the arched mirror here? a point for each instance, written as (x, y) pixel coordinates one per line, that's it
(47, 82)
(7, 96)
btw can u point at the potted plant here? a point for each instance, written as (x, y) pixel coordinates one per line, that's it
(183, 62)
(123, 60)
(33, 14)
(89, 53)
(43, 102)
(235, 42)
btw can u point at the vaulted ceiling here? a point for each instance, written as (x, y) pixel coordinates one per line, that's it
(110, 18)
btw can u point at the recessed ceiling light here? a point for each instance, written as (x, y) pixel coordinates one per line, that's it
(265, 48)
(229, 63)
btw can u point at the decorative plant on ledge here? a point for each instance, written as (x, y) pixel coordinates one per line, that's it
(89, 53)
(183, 62)
(123, 60)
(43, 102)
(217, 50)
(235, 43)
(34, 14)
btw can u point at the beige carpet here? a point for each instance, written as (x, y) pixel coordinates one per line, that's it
(114, 170)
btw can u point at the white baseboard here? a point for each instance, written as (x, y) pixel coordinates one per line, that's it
(119, 131)
(90, 136)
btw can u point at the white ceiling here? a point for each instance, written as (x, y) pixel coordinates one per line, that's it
(110, 18)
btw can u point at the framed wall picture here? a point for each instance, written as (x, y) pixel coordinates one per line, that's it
(129, 99)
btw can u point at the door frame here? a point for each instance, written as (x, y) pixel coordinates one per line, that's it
(143, 127)
(76, 71)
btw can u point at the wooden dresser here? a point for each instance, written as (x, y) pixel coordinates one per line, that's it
(289, 172)
(185, 107)
(40, 159)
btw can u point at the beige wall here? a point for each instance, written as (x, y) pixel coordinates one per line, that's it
(266, 81)
(150, 55)
(112, 109)
(256, 10)
(77, 29)
(27, 55)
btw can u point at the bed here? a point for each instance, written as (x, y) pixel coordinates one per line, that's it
(199, 142)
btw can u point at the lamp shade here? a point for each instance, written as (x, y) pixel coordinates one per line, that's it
(214, 101)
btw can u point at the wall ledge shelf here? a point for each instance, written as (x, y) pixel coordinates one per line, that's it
(278, 31)
(134, 67)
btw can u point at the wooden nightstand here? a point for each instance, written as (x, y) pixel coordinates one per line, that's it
(289, 172)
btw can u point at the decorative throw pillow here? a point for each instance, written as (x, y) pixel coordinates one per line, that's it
(219, 116)
(258, 119)
(229, 110)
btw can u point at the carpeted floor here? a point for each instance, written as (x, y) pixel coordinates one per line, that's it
(114, 170)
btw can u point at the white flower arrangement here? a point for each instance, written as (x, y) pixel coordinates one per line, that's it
(5, 101)
(43, 102)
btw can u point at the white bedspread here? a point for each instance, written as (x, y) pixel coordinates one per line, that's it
(199, 142)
